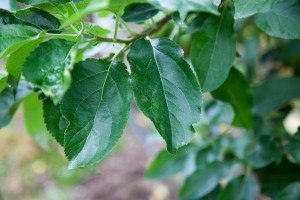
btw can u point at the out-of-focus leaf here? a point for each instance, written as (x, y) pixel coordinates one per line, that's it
(166, 164)
(34, 2)
(165, 89)
(10, 100)
(203, 181)
(206, 156)
(293, 147)
(197, 23)
(282, 21)
(274, 93)
(213, 50)
(264, 153)
(49, 66)
(3, 82)
(236, 91)
(245, 8)
(139, 12)
(274, 177)
(291, 192)
(34, 120)
(185, 6)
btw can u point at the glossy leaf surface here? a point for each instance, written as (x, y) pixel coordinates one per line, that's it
(166, 89)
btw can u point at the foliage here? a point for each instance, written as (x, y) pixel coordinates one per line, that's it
(234, 133)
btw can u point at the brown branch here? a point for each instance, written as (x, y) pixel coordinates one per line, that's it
(145, 33)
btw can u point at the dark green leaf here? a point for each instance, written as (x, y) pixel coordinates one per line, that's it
(293, 147)
(33, 115)
(9, 101)
(264, 153)
(274, 93)
(282, 21)
(206, 156)
(166, 164)
(97, 107)
(7, 17)
(236, 91)
(14, 36)
(38, 18)
(203, 181)
(55, 122)
(274, 177)
(291, 192)
(139, 12)
(197, 23)
(240, 188)
(166, 89)
(3, 82)
(49, 65)
(246, 8)
(213, 51)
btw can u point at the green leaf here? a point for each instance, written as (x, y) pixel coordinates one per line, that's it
(16, 60)
(84, 8)
(236, 91)
(7, 17)
(14, 36)
(9, 101)
(3, 82)
(282, 21)
(240, 188)
(13, 5)
(213, 51)
(33, 115)
(274, 93)
(293, 147)
(118, 6)
(206, 156)
(34, 2)
(291, 192)
(166, 89)
(55, 122)
(139, 12)
(38, 18)
(97, 107)
(185, 6)
(166, 165)
(203, 181)
(264, 153)
(49, 65)
(245, 8)
(275, 177)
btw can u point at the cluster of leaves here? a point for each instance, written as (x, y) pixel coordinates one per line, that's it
(86, 102)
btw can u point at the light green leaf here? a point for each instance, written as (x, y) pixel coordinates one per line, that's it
(166, 89)
(213, 51)
(166, 165)
(246, 8)
(33, 115)
(3, 82)
(49, 66)
(55, 122)
(10, 100)
(17, 59)
(274, 93)
(185, 6)
(203, 181)
(291, 192)
(97, 107)
(34, 2)
(240, 188)
(236, 91)
(14, 36)
(84, 8)
(282, 21)
(139, 12)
